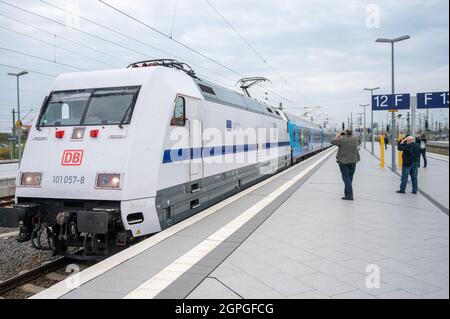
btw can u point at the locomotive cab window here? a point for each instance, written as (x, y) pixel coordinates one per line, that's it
(65, 108)
(112, 106)
(179, 114)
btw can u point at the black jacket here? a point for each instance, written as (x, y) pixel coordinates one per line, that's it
(411, 153)
(419, 141)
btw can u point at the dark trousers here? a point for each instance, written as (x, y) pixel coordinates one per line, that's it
(412, 171)
(348, 171)
(423, 153)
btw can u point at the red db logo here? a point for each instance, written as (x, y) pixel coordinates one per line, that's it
(72, 158)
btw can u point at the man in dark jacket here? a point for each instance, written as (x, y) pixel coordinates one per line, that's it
(347, 157)
(421, 140)
(411, 158)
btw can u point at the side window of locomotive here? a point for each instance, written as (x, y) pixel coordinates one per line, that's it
(179, 114)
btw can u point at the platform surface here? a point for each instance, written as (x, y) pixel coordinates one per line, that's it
(299, 242)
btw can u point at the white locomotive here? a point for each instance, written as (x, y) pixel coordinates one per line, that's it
(121, 154)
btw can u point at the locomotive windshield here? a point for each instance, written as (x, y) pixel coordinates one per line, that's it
(112, 106)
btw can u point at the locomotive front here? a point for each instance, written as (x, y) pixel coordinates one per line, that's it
(70, 183)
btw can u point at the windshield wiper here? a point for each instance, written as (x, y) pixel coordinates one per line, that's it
(125, 115)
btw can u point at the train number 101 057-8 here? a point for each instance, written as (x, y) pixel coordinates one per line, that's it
(68, 179)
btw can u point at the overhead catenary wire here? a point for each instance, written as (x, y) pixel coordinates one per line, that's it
(63, 38)
(265, 61)
(42, 58)
(141, 53)
(28, 70)
(172, 39)
(76, 29)
(179, 43)
(115, 31)
(21, 89)
(95, 36)
(129, 37)
(57, 46)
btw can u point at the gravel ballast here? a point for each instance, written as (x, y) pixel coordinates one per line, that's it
(16, 257)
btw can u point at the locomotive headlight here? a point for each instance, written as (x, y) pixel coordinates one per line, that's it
(31, 179)
(108, 181)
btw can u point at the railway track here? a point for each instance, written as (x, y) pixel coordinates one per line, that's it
(31, 282)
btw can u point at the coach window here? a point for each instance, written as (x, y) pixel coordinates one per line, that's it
(179, 115)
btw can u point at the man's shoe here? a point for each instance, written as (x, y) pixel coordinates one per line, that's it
(401, 192)
(346, 198)
(415, 193)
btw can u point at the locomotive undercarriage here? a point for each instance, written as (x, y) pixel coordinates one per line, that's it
(60, 225)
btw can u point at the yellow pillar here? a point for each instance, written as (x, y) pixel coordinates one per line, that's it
(400, 154)
(382, 151)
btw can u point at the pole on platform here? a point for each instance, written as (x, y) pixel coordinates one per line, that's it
(371, 107)
(14, 133)
(18, 75)
(413, 115)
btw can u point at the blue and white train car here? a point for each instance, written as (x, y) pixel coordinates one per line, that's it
(305, 137)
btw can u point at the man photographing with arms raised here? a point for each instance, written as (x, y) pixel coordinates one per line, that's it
(411, 158)
(347, 157)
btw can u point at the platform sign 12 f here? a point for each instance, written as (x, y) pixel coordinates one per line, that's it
(389, 102)
(432, 100)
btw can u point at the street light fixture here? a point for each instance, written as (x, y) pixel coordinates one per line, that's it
(17, 75)
(371, 125)
(393, 135)
(365, 126)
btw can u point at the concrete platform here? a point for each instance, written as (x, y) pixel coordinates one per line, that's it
(289, 237)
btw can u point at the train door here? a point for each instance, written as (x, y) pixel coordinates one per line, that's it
(196, 170)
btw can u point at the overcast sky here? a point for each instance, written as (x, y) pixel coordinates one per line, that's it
(318, 53)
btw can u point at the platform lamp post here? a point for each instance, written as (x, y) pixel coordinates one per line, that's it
(365, 125)
(18, 75)
(393, 128)
(371, 126)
